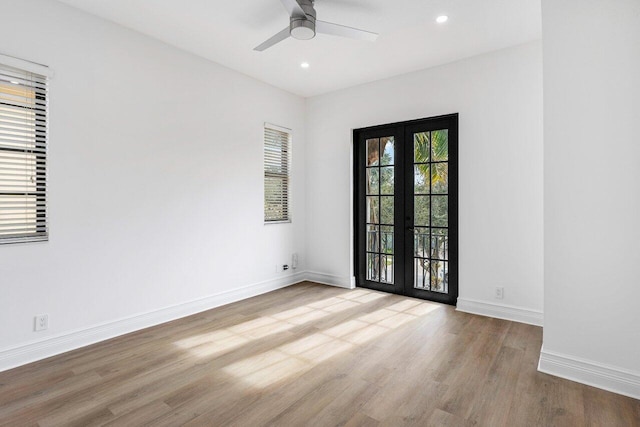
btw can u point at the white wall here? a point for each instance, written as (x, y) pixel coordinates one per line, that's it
(592, 191)
(155, 177)
(499, 98)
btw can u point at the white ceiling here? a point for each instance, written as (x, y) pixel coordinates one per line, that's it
(226, 31)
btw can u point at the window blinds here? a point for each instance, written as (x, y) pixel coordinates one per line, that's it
(23, 155)
(277, 161)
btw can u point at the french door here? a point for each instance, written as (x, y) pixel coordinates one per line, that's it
(406, 208)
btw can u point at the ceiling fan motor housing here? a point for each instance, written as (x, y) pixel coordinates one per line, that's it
(304, 27)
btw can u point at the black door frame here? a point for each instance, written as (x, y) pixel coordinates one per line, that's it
(403, 206)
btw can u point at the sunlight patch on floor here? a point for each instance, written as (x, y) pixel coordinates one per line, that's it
(299, 356)
(215, 348)
(267, 368)
(216, 342)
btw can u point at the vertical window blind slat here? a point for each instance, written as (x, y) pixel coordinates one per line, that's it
(23, 155)
(277, 164)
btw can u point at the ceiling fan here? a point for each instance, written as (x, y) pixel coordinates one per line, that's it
(303, 25)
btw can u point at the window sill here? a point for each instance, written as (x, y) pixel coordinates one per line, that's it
(277, 222)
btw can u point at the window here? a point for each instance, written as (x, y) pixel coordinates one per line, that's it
(23, 152)
(277, 160)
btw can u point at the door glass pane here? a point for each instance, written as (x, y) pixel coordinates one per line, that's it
(386, 210)
(373, 267)
(421, 179)
(373, 180)
(386, 239)
(439, 276)
(373, 210)
(440, 145)
(421, 274)
(387, 146)
(421, 242)
(439, 178)
(421, 210)
(421, 148)
(373, 152)
(439, 211)
(373, 238)
(439, 244)
(386, 268)
(386, 180)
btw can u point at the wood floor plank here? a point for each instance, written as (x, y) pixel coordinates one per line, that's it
(474, 367)
(140, 415)
(311, 355)
(45, 400)
(495, 396)
(361, 420)
(444, 419)
(604, 408)
(344, 406)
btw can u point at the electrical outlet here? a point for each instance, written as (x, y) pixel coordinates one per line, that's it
(499, 292)
(41, 322)
(285, 267)
(294, 261)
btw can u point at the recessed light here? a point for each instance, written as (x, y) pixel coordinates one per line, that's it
(305, 65)
(15, 82)
(442, 19)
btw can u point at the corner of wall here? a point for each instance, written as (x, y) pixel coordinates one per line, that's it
(590, 373)
(501, 311)
(331, 280)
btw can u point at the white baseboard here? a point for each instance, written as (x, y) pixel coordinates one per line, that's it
(507, 312)
(330, 279)
(590, 373)
(38, 350)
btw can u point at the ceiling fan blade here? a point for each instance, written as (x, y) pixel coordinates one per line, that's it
(273, 40)
(293, 8)
(344, 31)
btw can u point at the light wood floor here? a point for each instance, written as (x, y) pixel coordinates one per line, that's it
(311, 355)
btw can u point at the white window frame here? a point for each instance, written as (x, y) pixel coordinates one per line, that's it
(269, 164)
(24, 145)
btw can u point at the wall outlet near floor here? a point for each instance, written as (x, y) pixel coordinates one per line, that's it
(499, 292)
(294, 261)
(285, 267)
(41, 322)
